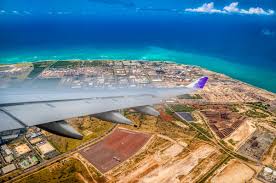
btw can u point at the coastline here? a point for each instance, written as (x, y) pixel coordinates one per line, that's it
(165, 61)
(257, 76)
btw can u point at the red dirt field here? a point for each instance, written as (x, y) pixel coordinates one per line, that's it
(165, 117)
(114, 149)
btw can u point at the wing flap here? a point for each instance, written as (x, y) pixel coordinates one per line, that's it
(8, 123)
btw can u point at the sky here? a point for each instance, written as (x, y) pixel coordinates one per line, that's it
(38, 8)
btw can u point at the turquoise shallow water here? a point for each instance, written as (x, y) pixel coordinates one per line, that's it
(249, 74)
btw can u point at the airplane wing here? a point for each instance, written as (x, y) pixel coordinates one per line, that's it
(20, 109)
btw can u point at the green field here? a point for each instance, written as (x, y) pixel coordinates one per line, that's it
(38, 67)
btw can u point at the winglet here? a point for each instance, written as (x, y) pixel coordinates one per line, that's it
(198, 84)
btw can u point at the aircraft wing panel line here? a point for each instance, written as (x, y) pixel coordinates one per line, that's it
(40, 113)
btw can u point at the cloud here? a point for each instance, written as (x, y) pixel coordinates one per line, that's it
(233, 7)
(257, 11)
(54, 13)
(15, 12)
(230, 9)
(205, 8)
(27, 12)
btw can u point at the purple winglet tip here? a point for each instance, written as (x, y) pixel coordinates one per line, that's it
(201, 83)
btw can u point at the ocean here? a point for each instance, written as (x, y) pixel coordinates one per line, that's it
(242, 47)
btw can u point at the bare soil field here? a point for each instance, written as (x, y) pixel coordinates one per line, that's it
(234, 171)
(115, 148)
(171, 171)
(202, 168)
(240, 135)
(173, 150)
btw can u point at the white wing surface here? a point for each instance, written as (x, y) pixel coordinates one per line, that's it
(48, 109)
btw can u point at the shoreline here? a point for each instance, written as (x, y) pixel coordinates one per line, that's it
(164, 61)
(261, 77)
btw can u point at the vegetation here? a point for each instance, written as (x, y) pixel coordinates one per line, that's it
(233, 108)
(202, 137)
(242, 157)
(226, 145)
(182, 108)
(255, 114)
(91, 128)
(38, 68)
(69, 171)
(231, 141)
(172, 130)
(168, 111)
(94, 63)
(66, 64)
(187, 96)
(259, 105)
(202, 129)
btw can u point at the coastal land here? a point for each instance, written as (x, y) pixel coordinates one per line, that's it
(223, 133)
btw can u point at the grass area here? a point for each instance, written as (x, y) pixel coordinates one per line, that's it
(159, 125)
(67, 64)
(94, 63)
(259, 105)
(226, 145)
(255, 114)
(172, 130)
(242, 158)
(182, 108)
(188, 96)
(91, 128)
(67, 171)
(231, 141)
(168, 111)
(233, 108)
(38, 67)
(202, 129)
(202, 137)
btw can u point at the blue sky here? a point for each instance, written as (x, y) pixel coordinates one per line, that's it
(78, 7)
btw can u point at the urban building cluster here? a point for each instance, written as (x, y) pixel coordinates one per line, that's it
(26, 152)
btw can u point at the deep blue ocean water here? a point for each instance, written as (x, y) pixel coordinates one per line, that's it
(233, 45)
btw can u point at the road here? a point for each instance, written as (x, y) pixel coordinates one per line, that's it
(58, 158)
(214, 140)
